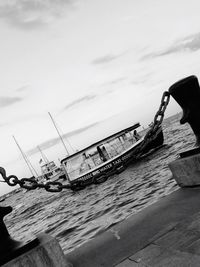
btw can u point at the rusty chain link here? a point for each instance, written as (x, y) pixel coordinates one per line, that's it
(55, 186)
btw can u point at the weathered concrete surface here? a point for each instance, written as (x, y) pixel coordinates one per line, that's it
(177, 247)
(47, 254)
(168, 230)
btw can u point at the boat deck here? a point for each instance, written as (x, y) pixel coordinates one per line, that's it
(166, 233)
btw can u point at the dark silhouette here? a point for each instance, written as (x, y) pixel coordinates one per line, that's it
(187, 93)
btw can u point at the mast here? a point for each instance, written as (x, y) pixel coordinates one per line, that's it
(43, 155)
(30, 166)
(59, 133)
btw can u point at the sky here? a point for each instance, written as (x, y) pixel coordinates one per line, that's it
(95, 65)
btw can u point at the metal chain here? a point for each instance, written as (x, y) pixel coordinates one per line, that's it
(158, 118)
(31, 184)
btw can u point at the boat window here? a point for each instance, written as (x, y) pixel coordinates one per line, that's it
(80, 164)
(117, 145)
(44, 168)
(49, 174)
(94, 156)
(48, 167)
(72, 166)
(52, 165)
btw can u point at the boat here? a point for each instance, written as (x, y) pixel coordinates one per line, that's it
(95, 163)
(51, 172)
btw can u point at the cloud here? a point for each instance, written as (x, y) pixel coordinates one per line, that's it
(7, 101)
(188, 44)
(78, 101)
(142, 78)
(105, 59)
(3, 124)
(52, 142)
(111, 86)
(114, 81)
(22, 89)
(33, 13)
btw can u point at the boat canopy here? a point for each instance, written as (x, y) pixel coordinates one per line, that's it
(102, 152)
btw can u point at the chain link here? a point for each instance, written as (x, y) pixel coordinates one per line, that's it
(31, 184)
(158, 118)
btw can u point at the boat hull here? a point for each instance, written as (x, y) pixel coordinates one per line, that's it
(118, 164)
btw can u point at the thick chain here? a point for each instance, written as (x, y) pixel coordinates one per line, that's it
(158, 119)
(31, 184)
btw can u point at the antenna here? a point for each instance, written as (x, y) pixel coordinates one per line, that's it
(66, 139)
(30, 166)
(58, 133)
(43, 155)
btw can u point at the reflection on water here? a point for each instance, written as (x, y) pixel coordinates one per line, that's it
(75, 217)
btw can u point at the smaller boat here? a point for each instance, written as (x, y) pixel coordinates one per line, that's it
(51, 172)
(95, 163)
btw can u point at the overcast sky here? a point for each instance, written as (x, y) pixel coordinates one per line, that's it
(86, 61)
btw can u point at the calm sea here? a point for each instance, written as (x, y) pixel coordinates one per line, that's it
(75, 217)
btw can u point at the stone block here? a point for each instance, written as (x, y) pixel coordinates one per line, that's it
(186, 171)
(48, 253)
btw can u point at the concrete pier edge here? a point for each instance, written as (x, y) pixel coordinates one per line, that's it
(138, 231)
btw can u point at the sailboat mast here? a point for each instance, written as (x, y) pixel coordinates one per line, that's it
(43, 155)
(31, 168)
(58, 133)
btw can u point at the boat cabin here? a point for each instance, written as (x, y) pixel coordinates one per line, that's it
(49, 170)
(101, 155)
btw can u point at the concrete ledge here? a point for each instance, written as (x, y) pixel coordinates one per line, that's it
(186, 171)
(131, 235)
(47, 253)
